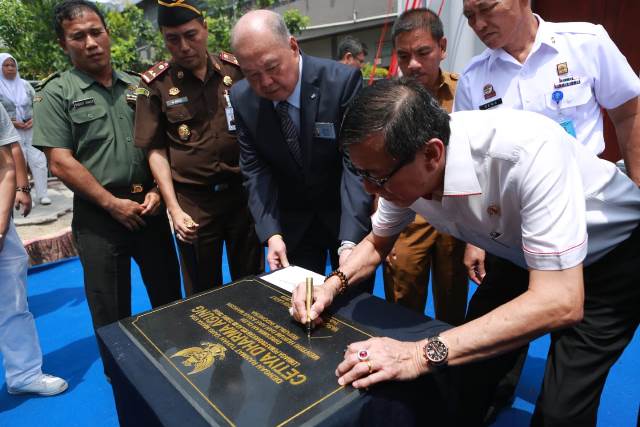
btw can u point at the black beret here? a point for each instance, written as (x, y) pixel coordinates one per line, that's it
(172, 13)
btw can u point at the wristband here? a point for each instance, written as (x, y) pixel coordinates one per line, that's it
(345, 246)
(25, 189)
(344, 282)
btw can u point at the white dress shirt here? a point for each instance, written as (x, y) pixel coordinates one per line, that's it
(515, 184)
(577, 59)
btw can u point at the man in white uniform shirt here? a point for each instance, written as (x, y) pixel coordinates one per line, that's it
(567, 71)
(517, 184)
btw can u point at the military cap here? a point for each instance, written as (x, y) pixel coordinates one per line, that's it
(172, 13)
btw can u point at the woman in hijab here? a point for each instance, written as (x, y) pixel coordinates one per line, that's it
(16, 95)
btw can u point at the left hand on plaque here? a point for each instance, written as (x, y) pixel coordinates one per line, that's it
(387, 360)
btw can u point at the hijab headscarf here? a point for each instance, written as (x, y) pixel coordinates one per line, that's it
(15, 89)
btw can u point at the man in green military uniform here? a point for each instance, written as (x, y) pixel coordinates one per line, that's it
(185, 119)
(85, 127)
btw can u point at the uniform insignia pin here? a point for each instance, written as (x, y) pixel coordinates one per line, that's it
(180, 74)
(562, 68)
(161, 66)
(227, 81)
(313, 96)
(174, 91)
(488, 91)
(184, 132)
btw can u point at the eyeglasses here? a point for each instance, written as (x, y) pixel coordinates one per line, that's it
(380, 182)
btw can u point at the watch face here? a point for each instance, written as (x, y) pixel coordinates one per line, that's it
(436, 351)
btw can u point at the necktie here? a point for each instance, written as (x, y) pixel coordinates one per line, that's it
(289, 130)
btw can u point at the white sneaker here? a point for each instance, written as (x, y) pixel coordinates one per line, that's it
(45, 201)
(44, 385)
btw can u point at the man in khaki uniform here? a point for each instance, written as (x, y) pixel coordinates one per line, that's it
(420, 45)
(84, 124)
(185, 119)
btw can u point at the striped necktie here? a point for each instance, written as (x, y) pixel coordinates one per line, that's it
(289, 130)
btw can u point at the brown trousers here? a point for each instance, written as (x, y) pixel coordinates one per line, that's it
(419, 249)
(223, 217)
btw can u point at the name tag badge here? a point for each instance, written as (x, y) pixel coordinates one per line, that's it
(567, 125)
(324, 131)
(177, 101)
(231, 121)
(491, 104)
(83, 102)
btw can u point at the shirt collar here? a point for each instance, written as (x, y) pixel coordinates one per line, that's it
(85, 80)
(294, 98)
(445, 83)
(544, 35)
(460, 178)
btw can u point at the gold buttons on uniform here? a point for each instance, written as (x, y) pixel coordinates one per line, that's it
(174, 91)
(184, 132)
(227, 81)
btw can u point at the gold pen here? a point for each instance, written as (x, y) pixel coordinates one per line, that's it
(309, 298)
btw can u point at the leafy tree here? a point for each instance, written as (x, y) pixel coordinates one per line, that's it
(130, 34)
(26, 31)
(222, 14)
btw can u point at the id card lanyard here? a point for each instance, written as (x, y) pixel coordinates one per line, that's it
(228, 111)
(565, 122)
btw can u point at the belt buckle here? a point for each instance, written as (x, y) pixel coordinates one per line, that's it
(136, 188)
(220, 187)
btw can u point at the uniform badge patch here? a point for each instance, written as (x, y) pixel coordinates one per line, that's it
(488, 91)
(562, 68)
(177, 101)
(83, 102)
(228, 81)
(141, 91)
(184, 132)
(174, 91)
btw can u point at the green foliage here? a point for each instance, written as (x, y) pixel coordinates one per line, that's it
(130, 34)
(380, 72)
(296, 21)
(26, 31)
(221, 15)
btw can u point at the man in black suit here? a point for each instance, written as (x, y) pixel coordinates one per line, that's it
(288, 110)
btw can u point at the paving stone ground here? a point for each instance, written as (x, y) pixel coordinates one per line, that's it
(45, 221)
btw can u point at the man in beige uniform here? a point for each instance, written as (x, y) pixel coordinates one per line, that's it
(421, 46)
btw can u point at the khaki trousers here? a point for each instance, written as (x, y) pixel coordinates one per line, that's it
(419, 249)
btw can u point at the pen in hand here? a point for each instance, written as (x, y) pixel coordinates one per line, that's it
(309, 296)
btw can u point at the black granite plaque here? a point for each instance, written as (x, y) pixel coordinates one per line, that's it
(237, 356)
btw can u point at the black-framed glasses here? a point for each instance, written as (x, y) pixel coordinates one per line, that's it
(380, 182)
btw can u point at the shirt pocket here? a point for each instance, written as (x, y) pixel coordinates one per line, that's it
(573, 98)
(181, 127)
(90, 124)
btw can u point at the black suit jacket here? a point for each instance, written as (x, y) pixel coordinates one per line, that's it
(283, 197)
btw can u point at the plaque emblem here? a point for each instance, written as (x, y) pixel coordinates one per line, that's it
(184, 132)
(227, 81)
(174, 91)
(201, 358)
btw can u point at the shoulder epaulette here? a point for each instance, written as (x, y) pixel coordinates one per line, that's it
(574, 27)
(227, 57)
(42, 83)
(152, 73)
